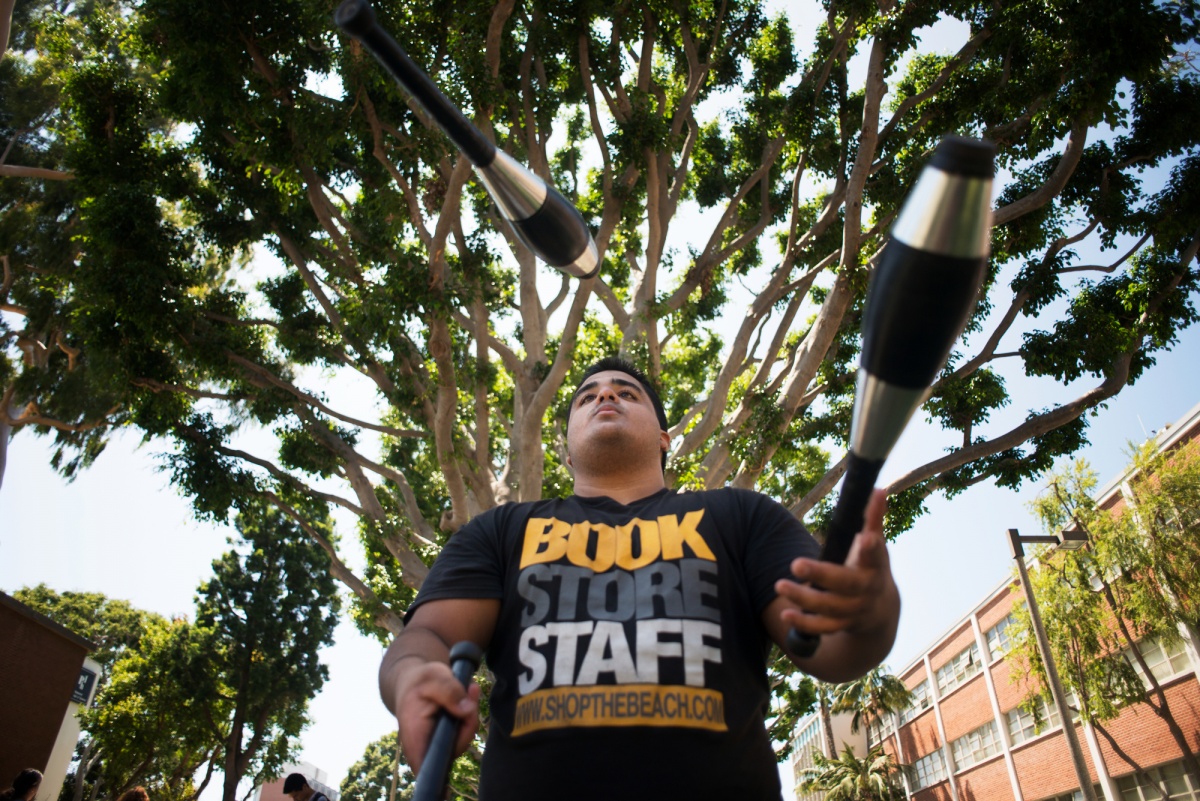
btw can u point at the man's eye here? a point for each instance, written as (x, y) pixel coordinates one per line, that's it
(629, 394)
(586, 397)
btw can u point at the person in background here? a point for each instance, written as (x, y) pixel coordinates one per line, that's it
(295, 786)
(24, 787)
(135, 794)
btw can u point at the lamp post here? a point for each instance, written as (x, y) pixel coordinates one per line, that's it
(1072, 541)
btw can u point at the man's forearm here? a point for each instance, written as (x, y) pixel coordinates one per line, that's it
(410, 649)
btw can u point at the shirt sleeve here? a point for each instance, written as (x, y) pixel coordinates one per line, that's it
(774, 537)
(471, 565)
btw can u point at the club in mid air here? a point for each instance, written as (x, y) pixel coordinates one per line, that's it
(920, 298)
(544, 220)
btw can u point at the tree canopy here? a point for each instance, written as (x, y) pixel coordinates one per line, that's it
(225, 227)
(1128, 596)
(180, 700)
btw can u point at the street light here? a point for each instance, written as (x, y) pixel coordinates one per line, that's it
(1071, 541)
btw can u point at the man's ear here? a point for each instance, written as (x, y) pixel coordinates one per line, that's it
(664, 441)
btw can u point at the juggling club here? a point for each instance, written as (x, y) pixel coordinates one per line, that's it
(919, 300)
(435, 770)
(543, 219)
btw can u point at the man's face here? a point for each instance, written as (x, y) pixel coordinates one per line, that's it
(612, 408)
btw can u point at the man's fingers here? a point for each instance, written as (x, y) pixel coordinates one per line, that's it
(824, 600)
(470, 723)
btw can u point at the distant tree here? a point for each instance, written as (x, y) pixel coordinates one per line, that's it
(152, 724)
(851, 778)
(269, 608)
(872, 698)
(116, 627)
(380, 772)
(1137, 580)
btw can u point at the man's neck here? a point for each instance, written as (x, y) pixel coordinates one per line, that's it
(623, 489)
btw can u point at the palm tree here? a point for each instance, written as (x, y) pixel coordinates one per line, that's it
(872, 698)
(849, 778)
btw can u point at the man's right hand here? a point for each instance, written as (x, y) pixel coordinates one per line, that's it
(422, 692)
(415, 680)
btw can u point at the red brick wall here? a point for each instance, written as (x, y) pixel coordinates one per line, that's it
(920, 736)
(986, 782)
(1044, 765)
(938, 792)
(996, 609)
(1145, 738)
(967, 708)
(1010, 694)
(914, 676)
(38, 670)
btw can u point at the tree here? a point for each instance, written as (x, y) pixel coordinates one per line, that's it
(848, 778)
(269, 608)
(248, 246)
(872, 698)
(230, 691)
(381, 774)
(1136, 581)
(151, 725)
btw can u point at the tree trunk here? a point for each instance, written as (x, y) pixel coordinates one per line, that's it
(826, 723)
(86, 759)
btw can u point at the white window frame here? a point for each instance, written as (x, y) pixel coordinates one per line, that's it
(922, 700)
(999, 640)
(961, 668)
(1174, 656)
(1022, 724)
(929, 770)
(1182, 786)
(977, 746)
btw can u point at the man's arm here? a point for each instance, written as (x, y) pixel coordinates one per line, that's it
(855, 607)
(415, 681)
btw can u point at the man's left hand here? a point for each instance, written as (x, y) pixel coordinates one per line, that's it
(854, 607)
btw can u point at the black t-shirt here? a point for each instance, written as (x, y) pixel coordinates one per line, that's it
(630, 654)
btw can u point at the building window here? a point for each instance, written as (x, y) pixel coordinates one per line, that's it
(920, 703)
(804, 745)
(1000, 636)
(1165, 663)
(976, 746)
(1178, 784)
(956, 672)
(879, 730)
(1023, 725)
(1078, 795)
(928, 771)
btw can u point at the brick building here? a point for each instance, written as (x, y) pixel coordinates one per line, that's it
(43, 680)
(965, 737)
